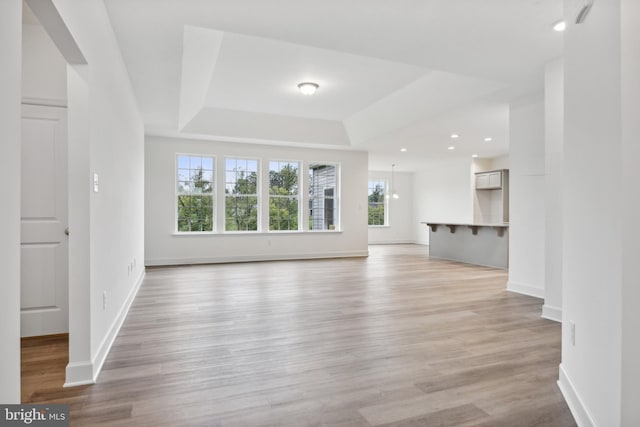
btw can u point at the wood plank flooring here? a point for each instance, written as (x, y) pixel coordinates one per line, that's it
(44, 360)
(395, 339)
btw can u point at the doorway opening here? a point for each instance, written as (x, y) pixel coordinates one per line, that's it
(54, 115)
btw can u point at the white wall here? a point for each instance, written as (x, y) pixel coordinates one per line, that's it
(44, 70)
(116, 153)
(497, 200)
(591, 370)
(80, 367)
(483, 201)
(630, 72)
(163, 246)
(10, 113)
(488, 205)
(554, 128)
(526, 194)
(500, 162)
(400, 228)
(442, 193)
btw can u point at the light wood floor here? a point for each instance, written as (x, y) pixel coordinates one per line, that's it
(396, 339)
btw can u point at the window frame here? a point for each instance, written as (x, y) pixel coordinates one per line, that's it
(385, 201)
(258, 194)
(298, 196)
(337, 205)
(177, 193)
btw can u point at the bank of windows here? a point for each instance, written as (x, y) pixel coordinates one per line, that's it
(196, 195)
(323, 196)
(377, 203)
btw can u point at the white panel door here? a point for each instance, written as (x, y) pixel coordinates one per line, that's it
(44, 253)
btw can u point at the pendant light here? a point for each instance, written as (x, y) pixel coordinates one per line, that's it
(393, 191)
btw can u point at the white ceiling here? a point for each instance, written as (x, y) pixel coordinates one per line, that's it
(256, 74)
(392, 74)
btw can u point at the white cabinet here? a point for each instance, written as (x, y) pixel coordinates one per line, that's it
(495, 180)
(491, 197)
(489, 180)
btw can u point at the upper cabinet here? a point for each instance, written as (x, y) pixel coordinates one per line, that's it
(491, 180)
(491, 198)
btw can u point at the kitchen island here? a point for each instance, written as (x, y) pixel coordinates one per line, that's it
(480, 244)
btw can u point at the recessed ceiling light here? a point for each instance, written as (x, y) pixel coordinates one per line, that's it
(308, 88)
(451, 147)
(560, 26)
(455, 135)
(403, 150)
(488, 139)
(475, 156)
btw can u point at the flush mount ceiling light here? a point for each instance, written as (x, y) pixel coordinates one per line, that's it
(455, 135)
(403, 150)
(559, 26)
(475, 156)
(488, 139)
(451, 147)
(308, 88)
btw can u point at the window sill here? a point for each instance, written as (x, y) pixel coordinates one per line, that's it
(253, 233)
(194, 233)
(379, 226)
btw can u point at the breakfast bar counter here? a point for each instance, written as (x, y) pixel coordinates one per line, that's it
(480, 244)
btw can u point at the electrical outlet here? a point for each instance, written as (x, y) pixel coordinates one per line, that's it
(572, 327)
(104, 300)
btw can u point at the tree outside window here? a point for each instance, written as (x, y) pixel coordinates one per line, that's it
(377, 203)
(284, 198)
(241, 195)
(195, 199)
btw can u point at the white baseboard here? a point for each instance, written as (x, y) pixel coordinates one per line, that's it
(523, 288)
(45, 102)
(79, 373)
(575, 403)
(107, 342)
(253, 258)
(552, 313)
(391, 242)
(82, 373)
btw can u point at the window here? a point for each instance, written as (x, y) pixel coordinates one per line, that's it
(284, 197)
(241, 195)
(323, 196)
(377, 203)
(195, 193)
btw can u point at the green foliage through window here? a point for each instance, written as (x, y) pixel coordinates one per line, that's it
(197, 203)
(283, 195)
(377, 203)
(195, 193)
(241, 195)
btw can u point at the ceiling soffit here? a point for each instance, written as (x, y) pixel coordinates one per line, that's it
(234, 85)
